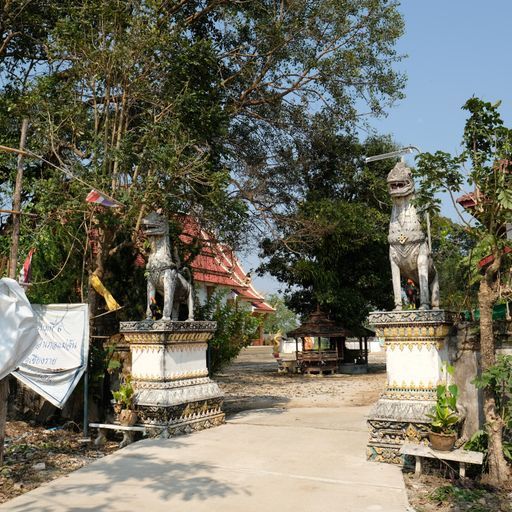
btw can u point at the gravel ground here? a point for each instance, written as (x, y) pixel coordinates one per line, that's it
(35, 455)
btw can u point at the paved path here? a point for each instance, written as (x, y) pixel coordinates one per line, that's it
(286, 460)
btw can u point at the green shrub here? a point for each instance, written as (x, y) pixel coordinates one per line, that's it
(236, 328)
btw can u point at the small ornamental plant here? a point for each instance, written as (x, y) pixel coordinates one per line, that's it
(124, 404)
(124, 395)
(444, 416)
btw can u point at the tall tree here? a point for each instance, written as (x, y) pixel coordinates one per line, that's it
(334, 228)
(168, 102)
(487, 152)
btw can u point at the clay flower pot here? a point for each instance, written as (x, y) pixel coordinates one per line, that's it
(442, 442)
(127, 417)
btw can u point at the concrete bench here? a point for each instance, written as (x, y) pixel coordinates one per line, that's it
(420, 451)
(128, 433)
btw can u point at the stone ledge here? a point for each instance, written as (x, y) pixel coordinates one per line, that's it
(401, 410)
(411, 316)
(167, 326)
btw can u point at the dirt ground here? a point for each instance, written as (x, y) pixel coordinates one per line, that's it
(35, 454)
(252, 382)
(443, 492)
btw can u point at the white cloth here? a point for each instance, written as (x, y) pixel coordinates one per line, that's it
(58, 360)
(18, 332)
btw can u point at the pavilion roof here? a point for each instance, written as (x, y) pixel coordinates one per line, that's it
(318, 324)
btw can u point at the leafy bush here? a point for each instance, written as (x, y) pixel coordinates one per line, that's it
(236, 327)
(480, 440)
(498, 378)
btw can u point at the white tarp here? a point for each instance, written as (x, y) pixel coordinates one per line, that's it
(18, 333)
(59, 359)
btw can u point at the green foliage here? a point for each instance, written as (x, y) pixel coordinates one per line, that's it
(453, 246)
(124, 395)
(459, 496)
(335, 250)
(236, 328)
(479, 442)
(444, 415)
(487, 152)
(284, 319)
(498, 379)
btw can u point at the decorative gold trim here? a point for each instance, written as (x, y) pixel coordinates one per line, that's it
(169, 377)
(419, 344)
(147, 348)
(414, 331)
(182, 347)
(185, 347)
(189, 336)
(142, 337)
(161, 384)
(412, 387)
(412, 392)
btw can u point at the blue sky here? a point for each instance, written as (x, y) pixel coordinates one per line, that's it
(455, 49)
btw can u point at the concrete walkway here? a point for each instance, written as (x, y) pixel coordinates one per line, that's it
(286, 460)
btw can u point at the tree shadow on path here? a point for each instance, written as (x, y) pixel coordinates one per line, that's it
(118, 483)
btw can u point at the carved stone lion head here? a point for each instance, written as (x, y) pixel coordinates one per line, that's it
(400, 182)
(155, 224)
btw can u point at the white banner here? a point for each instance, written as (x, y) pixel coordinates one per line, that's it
(59, 358)
(18, 333)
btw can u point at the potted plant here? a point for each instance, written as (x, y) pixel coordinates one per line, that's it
(445, 418)
(123, 405)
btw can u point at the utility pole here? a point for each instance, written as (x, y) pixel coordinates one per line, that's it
(16, 204)
(13, 261)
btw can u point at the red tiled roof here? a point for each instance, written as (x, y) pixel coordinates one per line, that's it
(467, 201)
(218, 265)
(263, 307)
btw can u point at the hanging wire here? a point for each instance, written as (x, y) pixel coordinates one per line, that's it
(66, 172)
(63, 265)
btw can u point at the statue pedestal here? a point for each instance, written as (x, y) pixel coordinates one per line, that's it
(416, 344)
(173, 392)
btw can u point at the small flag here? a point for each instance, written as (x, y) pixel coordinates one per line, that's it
(96, 283)
(97, 197)
(26, 270)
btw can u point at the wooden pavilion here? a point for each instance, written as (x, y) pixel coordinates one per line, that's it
(321, 346)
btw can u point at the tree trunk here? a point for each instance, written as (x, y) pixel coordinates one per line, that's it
(4, 394)
(499, 471)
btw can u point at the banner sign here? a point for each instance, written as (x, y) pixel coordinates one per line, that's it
(18, 333)
(59, 358)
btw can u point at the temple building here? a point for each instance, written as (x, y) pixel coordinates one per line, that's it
(217, 267)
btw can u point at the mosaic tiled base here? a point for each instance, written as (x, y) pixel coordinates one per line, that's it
(388, 435)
